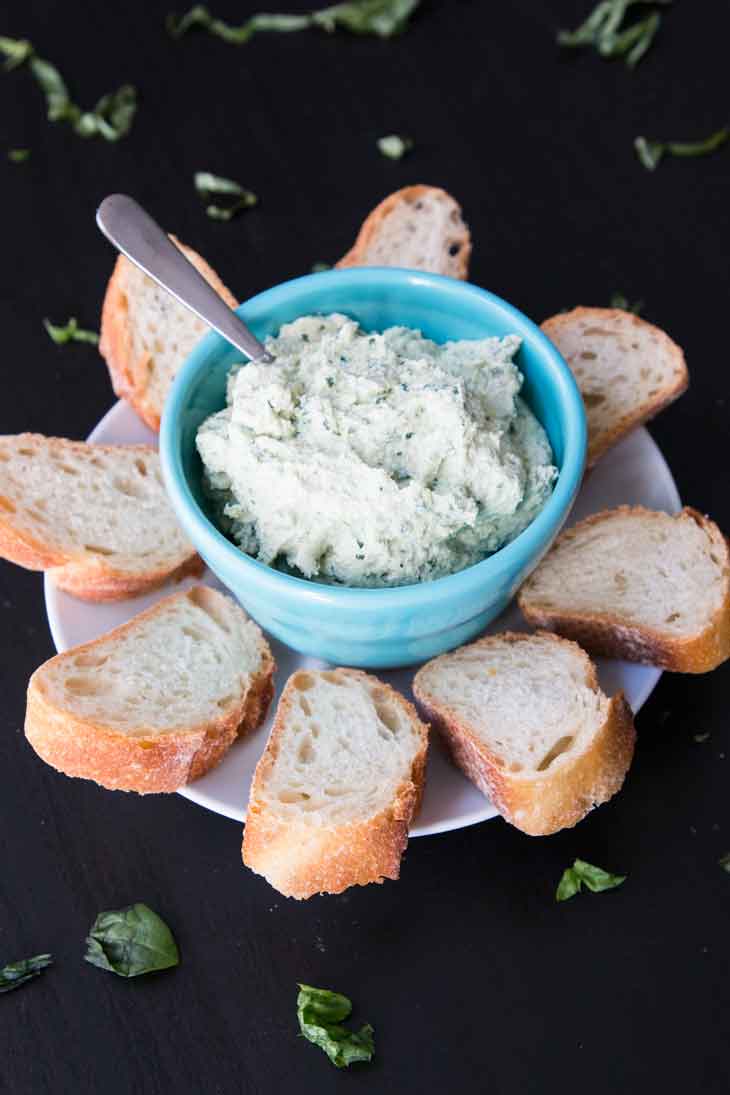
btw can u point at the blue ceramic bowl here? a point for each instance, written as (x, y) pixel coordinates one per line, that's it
(375, 627)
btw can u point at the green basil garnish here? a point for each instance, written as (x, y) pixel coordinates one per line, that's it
(70, 332)
(214, 186)
(131, 941)
(321, 1014)
(651, 153)
(16, 974)
(320, 267)
(618, 300)
(603, 30)
(383, 18)
(18, 155)
(15, 51)
(394, 147)
(724, 862)
(585, 874)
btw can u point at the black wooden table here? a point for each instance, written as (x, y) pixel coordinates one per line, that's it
(475, 979)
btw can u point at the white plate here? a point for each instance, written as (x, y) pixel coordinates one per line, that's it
(634, 472)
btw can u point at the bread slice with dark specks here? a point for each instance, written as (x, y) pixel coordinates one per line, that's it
(146, 335)
(638, 584)
(627, 370)
(338, 785)
(157, 702)
(96, 517)
(524, 718)
(418, 227)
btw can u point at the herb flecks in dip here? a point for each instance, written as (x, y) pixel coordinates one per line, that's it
(375, 459)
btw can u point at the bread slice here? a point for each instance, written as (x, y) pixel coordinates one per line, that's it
(636, 584)
(419, 227)
(146, 335)
(337, 786)
(626, 369)
(157, 702)
(524, 718)
(95, 516)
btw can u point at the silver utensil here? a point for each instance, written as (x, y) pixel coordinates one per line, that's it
(125, 223)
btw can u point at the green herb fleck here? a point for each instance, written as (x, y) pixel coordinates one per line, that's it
(409, 436)
(618, 300)
(394, 147)
(131, 941)
(214, 186)
(585, 874)
(701, 738)
(603, 30)
(71, 332)
(651, 153)
(383, 18)
(16, 974)
(112, 116)
(321, 1014)
(320, 267)
(724, 862)
(330, 382)
(18, 155)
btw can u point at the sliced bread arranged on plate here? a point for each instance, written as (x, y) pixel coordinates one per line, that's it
(418, 227)
(146, 335)
(158, 701)
(627, 370)
(524, 718)
(338, 785)
(638, 584)
(96, 517)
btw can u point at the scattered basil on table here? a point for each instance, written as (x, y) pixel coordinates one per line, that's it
(16, 974)
(321, 1015)
(618, 300)
(394, 147)
(234, 196)
(131, 941)
(651, 153)
(604, 30)
(585, 874)
(70, 332)
(18, 155)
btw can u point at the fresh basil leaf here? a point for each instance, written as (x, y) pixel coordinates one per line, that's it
(320, 267)
(112, 116)
(383, 18)
(16, 974)
(18, 155)
(618, 300)
(212, 186)
(394, 147)
(585, 874)
(650, 153)
(71, 332)
(16, 51)
(131, 941)
(321, 1014)
(603, 31)
(724, 862)
(58, 101)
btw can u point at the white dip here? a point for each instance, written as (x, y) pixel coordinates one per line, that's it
(375, 459)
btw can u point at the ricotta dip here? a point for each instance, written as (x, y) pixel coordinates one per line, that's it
(375, 459)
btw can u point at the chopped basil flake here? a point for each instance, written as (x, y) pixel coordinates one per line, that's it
(585, 874)
(131, 941)
(18, 155)
(71, 332)
(394, 147)
(214, 186)
(724, 862)
(603, 30)
(651, 153)
(15, 51)
(16, 974)
(320, 267)
(701, 738)
(321, 1014)
(618, 300)
(383, 18)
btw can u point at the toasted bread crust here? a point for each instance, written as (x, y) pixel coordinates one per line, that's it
(130, 376)
(373, 222)
(603, 633)
(299, 860)
(545, 803)
(650, 407)
(90, 578)
(148, 762)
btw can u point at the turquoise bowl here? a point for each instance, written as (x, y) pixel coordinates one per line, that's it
(375, 627)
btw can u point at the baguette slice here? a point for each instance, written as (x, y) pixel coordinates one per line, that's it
(146, 335)
(636, 584)
(337, 786)
(95, 516)
(524, 718)
(626, 369)
(420, 228)
(157, 702)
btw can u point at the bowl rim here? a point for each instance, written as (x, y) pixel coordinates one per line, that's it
(513, 557)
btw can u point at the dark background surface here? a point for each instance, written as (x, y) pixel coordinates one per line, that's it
(474, 978)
